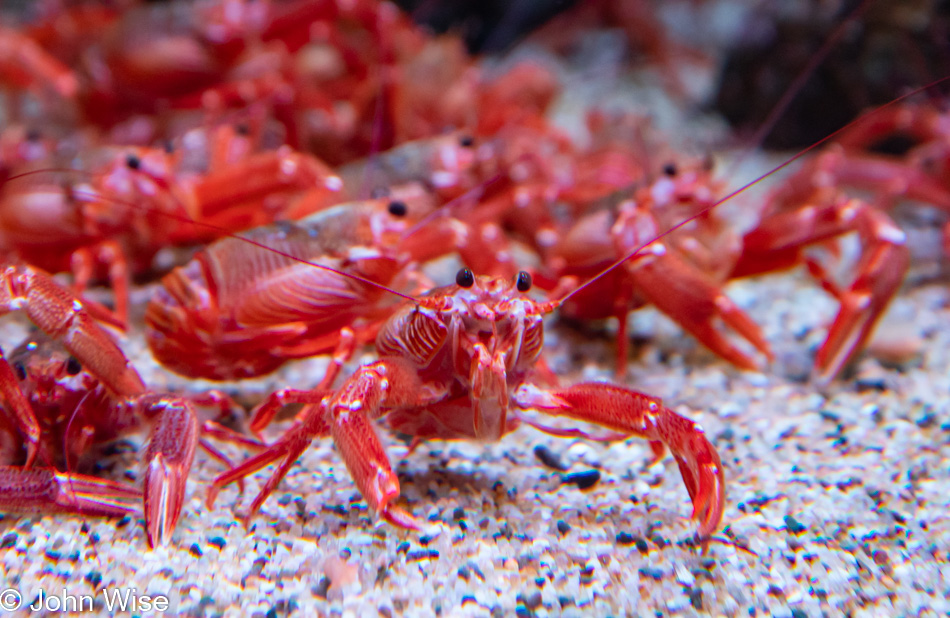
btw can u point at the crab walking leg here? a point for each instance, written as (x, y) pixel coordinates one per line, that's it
(266, 412)
(348, 417)
(388, 382)
(310, 424)
(59, 314)
(637, 414)
(694, 301)
(881, 270)
(41, 491)
(83, 263)
(780, 241)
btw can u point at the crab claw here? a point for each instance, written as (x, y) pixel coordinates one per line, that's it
(168, 461)
(633, 413)
(702, 474)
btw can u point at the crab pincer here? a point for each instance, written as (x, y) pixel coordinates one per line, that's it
(633, 413)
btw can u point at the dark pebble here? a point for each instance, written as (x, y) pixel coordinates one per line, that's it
(533, 600)
(563, 527)
(195, 550)
(422, 554)
(642, 546)
(625, 538)
(52, 554)
(652, 573)
(402, 547)
(829, 416)
(271, 613)
(870, 384)
(217, 541)
(549, 458)
(8, 540)
(696, 598)
(458, 513)
(799, 613)
(94, 578)
(794, 526)
(468, 599)
(465, 573)
(122, 523)
(583, 480)
(320, 590)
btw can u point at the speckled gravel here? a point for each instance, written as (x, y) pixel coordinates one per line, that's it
(837, 497)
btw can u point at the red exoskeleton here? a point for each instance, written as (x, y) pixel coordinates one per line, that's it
(238, 311)
(459, 363)
(131, 202)
(817, 205)
(70, 390)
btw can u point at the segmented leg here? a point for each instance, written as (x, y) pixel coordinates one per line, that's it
(61, 315)
(41, 491)
(634, 413)
(347, 416)
(780, 240)
(310, 424)
(83, 263)
(694, 302)
(881, 270)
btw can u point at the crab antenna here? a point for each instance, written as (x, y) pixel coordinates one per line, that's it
(225, 233)
(863, 117)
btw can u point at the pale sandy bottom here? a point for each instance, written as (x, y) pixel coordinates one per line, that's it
(838, 495)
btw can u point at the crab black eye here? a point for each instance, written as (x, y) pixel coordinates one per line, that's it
(523, 281)
(397, 208)
(73, 366)
(467, 141)
(133, 162)
(669, 169)
(465, 278)
(242, 129)
(20, 371)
